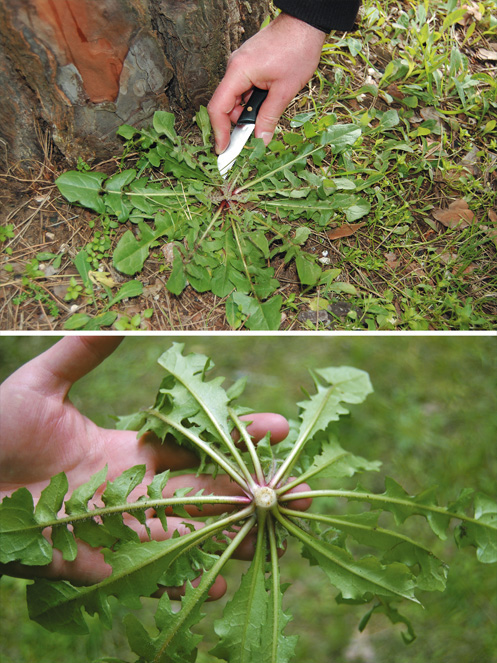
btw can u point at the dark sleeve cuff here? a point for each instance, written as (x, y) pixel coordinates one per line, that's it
(325, 15)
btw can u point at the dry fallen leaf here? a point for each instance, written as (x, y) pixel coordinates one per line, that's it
(485, 54)
(315, 317)
(415, 269)
(395, 92)
(153, 290)
(60, 290)
(102, 278)
(446, 257)
(468, 270)
(458, 215)
(470, 162)
(430, 113)
(472, 14)
(344, 231)
(392, 259)
(492, 215)
(168, 253)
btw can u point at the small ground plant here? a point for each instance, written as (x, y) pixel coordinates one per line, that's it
(364, 553)
(222, 235)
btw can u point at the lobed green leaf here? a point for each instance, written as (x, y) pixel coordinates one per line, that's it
(137, 569)
(342, 385)
(175, 643)
(358, 580)
(21, 539)
(260, 316)
(335, 463)
(242, 630)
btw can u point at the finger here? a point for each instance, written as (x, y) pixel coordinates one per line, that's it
(215, 591)
(170, 455)
(245, 550)
(278, 98)
(222, 104)
(166, 455)
(67, 361)
(88, 568)
(263, 422)
(304, 503)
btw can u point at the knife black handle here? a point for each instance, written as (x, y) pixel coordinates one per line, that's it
(250, 111)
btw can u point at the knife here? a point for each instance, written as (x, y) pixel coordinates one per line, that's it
(242, 131)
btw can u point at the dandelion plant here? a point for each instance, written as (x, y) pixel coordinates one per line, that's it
(365, 560)
(221, 234)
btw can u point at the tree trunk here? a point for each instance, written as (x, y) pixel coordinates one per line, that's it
(78, 69)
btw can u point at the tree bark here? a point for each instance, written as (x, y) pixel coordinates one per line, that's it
(75, 70)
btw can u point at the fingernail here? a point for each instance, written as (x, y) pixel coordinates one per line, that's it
(266, 137)
(217, 147)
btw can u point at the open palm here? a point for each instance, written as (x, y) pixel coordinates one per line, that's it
(42, 434)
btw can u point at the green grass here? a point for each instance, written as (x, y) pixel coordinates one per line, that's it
(431, 420)
(428, 109)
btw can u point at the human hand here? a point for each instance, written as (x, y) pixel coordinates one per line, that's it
(42, 434)
(281, 58)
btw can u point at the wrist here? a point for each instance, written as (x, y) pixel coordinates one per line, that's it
(325, 15)
(299, 26)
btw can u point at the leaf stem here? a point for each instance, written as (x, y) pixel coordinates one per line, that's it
(250, 446)
(251, 183)
(309, 474)
(275, 584)
(151, 194)
(372, 497)
(292, 457)
(203, 587)
(208, 229)
(226, 438)
(139, 506)
(317, 545)
(329, 520)
(216, 456)
(245, 266)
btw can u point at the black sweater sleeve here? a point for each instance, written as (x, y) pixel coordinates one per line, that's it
(325, 15)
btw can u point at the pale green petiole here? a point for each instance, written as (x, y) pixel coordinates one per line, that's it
(216, 456)
(207, 579)
(241, 427)
(225, 437)
(305, 476)
(372, 497)
(143, 505)
(341, 522)
(275, 589)
(304, 434)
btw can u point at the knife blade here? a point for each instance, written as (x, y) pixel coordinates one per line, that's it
(242, 131)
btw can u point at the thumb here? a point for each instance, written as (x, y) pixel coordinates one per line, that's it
(56, 370)
(271, 110)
